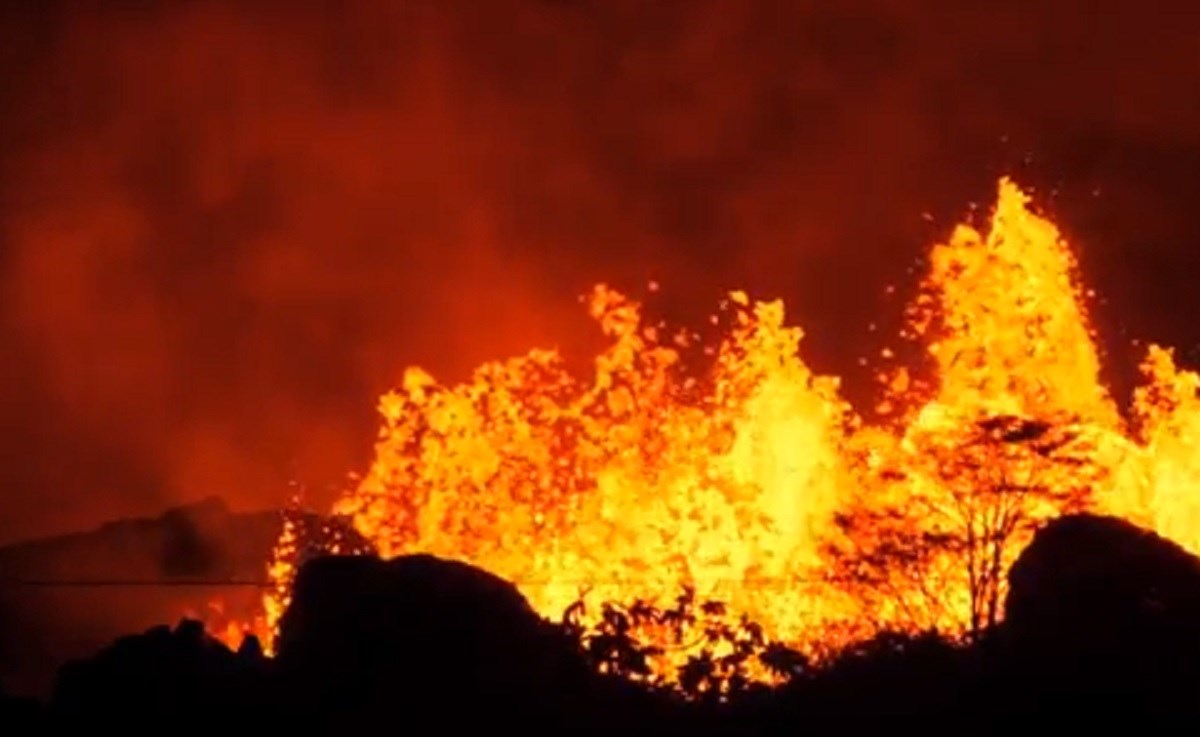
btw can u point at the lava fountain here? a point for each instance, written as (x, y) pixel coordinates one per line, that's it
(753, 483)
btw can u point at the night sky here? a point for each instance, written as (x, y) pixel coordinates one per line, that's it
(226, 227)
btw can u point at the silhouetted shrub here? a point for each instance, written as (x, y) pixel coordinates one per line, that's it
(725, 657)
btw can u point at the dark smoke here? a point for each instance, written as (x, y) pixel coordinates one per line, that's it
(226, 227)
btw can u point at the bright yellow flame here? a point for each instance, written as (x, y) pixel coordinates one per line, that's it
(752, 483)
(1168, 412)
(1007, 328)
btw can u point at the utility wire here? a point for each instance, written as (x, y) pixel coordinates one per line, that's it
(118, 583)
(177, 583)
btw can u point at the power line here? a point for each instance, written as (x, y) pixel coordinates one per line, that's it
(225, 583)
(119, 583)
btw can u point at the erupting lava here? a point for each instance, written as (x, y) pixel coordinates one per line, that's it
(756, 485)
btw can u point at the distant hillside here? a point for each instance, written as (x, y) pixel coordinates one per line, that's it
(63, 597)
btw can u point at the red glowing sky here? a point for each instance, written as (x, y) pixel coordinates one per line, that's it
(225, 227)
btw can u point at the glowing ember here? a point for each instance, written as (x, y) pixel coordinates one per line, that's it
(757, 486)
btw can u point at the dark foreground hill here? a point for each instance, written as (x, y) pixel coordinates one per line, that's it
(65, 597)
(1101, 631)
(367, 643)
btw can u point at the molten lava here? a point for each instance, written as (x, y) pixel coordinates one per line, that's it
(755, 484)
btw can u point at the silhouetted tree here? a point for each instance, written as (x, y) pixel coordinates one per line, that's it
(971, 499)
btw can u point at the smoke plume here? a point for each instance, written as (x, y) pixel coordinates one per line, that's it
(226, 227)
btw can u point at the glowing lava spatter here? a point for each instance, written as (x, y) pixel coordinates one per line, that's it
(758, 486)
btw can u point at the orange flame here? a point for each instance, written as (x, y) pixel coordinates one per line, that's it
(758, 485)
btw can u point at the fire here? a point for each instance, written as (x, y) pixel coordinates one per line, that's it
(755, 484)
(1006, 324)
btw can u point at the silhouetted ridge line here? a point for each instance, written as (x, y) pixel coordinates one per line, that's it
(1102, 626)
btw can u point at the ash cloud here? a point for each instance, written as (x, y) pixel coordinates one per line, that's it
(226, 227)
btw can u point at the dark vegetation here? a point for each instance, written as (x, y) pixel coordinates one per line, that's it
(996, 484)
(1101, 631)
